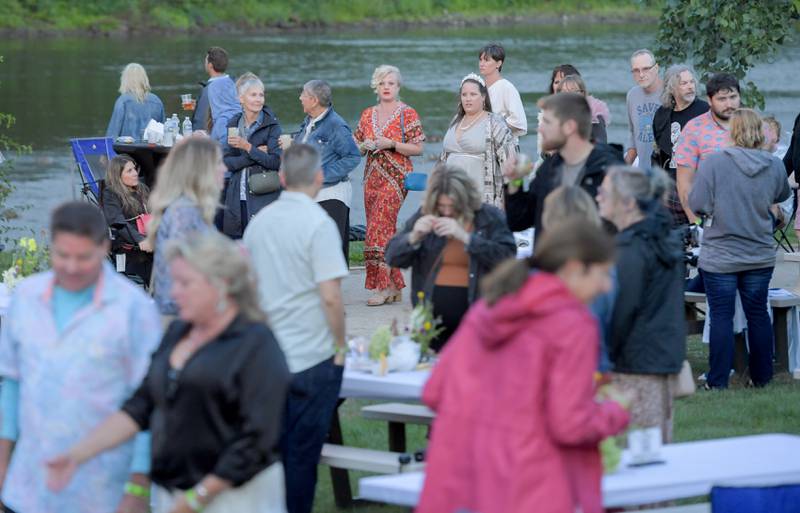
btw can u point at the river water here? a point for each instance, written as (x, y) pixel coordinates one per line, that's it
(66, 87)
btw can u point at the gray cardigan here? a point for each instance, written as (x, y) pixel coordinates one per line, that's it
(734, 188)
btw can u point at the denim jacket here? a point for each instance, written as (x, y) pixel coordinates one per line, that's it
(130, 117)
(334, 140)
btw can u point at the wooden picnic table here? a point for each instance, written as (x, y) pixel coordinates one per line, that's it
(690, 469)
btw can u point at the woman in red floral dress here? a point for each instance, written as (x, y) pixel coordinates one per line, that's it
(388, 133)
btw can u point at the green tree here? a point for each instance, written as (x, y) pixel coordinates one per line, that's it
(7, 146)
(721, 35)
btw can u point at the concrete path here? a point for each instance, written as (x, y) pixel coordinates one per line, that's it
(362, 320)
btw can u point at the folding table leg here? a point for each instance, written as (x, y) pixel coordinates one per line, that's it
(397, 437)
(340, 478)
(781, 338)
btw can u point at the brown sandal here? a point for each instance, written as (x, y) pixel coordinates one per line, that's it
(383, 299)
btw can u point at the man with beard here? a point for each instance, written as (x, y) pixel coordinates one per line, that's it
(680, 104)
(566, 128)
(705, 134)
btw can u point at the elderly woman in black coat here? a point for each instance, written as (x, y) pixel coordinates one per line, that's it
(450, 244)
(252, 156)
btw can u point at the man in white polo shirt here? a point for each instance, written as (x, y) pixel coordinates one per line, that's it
(295, 247)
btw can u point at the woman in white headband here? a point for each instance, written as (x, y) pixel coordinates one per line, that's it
(479, 141)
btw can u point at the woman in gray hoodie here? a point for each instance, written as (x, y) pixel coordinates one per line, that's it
(734, 190)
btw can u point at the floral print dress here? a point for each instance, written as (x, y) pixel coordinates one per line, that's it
(384, 189)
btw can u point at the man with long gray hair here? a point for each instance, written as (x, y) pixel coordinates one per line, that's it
(294, 246)
(326, 131)
(679, 105)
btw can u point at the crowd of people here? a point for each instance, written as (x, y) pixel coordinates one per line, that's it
(219, 394)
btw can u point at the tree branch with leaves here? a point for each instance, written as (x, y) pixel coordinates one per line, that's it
(720, 35)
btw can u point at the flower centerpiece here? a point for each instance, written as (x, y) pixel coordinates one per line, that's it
(27, 258)
(423, 326)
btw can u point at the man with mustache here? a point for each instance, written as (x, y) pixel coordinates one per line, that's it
(705, 134)
(679, 105)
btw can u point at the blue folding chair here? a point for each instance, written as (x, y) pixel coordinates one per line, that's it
(89, 155)
(769, 499)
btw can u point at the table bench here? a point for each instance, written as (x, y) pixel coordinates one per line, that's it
(691, 469)
(398, 415)
(368, 460)
(780, 312)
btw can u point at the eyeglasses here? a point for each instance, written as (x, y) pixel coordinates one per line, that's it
(642, 71)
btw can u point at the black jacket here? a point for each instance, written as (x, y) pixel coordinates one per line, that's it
(648, 327)
(792, 158)
(524, 209)
(267, 133)
(491, 243)
(123, 224)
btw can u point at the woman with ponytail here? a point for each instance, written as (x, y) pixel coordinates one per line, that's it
(518, 420)
(647, 337)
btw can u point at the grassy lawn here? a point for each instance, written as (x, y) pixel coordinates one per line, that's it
(737, 411)
(357, 253)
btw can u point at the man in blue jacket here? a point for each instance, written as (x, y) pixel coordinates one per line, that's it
(324, 129)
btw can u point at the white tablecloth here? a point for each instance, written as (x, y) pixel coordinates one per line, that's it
(401, 386)
(691, 469)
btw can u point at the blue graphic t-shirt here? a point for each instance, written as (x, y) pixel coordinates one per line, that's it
(641, 109)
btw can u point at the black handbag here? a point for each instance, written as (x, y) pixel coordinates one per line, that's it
(261, 181)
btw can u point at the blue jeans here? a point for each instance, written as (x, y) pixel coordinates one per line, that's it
(753, 287)
(311, 401)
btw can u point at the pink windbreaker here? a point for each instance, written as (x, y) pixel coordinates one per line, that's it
(517, 424)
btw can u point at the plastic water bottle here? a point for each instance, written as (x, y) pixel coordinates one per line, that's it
(187, 127)
(169, 135)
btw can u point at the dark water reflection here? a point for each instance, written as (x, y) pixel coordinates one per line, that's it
(63, 88)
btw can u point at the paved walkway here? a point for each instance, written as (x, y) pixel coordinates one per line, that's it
(362, 320)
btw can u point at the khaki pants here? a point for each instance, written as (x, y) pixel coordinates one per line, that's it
(265, 493)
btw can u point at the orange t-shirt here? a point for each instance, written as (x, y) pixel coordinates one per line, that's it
(454, 271)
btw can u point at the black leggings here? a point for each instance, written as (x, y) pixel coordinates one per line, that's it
(449, 303)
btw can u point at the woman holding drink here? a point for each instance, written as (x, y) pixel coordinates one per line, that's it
(252, 157)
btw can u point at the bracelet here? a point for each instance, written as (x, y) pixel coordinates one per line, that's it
(192, 501)
(340, 350)
(136, 490)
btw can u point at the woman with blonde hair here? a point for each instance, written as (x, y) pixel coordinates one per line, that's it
(184, 200)
(451, 243)
(735, 187)
(389, 133)
(124, 203)
(220, 375)
(136, 105)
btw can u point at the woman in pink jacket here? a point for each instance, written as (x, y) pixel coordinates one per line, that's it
(517, 418)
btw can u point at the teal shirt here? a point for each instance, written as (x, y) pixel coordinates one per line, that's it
(67, 303)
